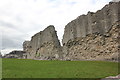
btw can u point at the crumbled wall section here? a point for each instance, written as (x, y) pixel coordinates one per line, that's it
(16, 54)
(93, 36)
(44, 45)
(94, 46)
(26, 46)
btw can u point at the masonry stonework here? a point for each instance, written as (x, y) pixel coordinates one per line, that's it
(93, 36)
(44, 45)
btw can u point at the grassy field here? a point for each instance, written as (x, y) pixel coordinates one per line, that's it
(21, 68)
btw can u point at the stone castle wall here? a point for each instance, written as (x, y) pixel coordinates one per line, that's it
(94, 36)
(99, 22)
(94, 46)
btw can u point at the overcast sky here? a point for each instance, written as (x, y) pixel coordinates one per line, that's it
(21, 19)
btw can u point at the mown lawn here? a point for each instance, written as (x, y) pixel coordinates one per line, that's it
(21, 68)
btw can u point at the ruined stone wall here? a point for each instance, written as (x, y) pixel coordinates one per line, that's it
(26, 46)
(44, 45)
(93, 36)
(16, 54)
(94, 46)
(99, 22)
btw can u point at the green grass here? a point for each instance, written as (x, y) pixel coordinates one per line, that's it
(21, 68)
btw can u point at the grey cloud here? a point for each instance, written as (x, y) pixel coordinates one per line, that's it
(15, 37)
(6, 24)
(19, 19)
(9, 42)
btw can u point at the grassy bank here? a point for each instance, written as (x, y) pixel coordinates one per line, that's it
(21, 68)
